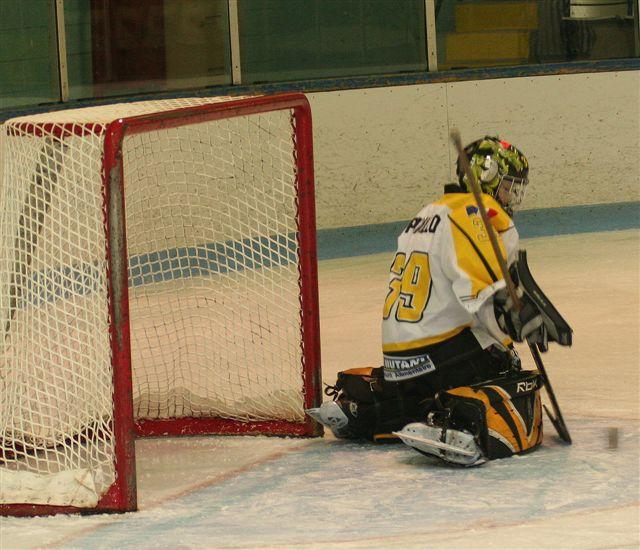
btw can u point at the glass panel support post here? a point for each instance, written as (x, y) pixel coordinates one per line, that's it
(430, 31)
(234, 35)
(636, 20)
(62, 51)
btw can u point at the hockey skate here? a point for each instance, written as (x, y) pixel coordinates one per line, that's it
(454, 446)
(331, 415)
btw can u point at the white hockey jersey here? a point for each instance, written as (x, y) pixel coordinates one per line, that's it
(443, 272)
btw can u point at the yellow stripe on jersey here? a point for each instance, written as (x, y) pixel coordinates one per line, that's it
(415, 344)
(473, 248)
(459, 202)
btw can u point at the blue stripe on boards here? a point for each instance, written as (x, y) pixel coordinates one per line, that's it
(280, 250)
(210, 258)
(344, 242)
(594, 218)
(203, 260)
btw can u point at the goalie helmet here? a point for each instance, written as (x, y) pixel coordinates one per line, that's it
(500, 168)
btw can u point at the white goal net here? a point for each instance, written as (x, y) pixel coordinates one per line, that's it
(217, 285)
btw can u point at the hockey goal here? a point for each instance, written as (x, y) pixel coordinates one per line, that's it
(157, 277)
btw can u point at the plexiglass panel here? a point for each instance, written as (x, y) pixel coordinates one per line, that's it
(492, 33)
(118, 47)
(302, 39)
(28, 53)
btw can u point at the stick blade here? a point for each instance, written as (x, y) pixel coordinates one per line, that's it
(560, 426)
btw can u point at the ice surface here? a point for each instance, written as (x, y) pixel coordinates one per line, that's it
(279, 493)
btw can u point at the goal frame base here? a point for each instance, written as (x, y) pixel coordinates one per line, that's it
(222, 426)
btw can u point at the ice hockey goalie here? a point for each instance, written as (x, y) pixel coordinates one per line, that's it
(451, 384)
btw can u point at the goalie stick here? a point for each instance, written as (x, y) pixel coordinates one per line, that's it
(556, 418)
(558, 330)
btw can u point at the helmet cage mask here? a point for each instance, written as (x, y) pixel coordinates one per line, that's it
(510, 192)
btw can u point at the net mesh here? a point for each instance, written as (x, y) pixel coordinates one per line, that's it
(211, 221)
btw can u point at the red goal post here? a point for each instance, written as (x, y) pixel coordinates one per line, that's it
(207, 273)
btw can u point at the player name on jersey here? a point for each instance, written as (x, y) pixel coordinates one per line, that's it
(428, 224)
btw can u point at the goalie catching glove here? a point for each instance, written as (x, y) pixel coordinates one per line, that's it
(537, 321)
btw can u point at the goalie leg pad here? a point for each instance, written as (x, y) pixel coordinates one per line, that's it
(505, 414)
(365, 406)
(472, 424)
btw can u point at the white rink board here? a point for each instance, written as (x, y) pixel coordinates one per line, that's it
(380, 153)
(383, 152)
(578, 131)
(283, 493)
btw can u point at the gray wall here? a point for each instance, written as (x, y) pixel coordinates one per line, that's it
(380, 153)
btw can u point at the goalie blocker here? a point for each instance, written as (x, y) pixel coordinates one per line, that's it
(538, 321)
